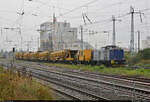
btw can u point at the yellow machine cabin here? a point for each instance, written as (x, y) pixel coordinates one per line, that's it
(71, 55)
(84, 55)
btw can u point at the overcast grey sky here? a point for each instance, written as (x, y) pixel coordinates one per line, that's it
(99, 11)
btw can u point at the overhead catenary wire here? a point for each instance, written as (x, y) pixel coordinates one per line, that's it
(70, 11)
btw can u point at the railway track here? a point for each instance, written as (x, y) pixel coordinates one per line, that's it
(139, 93)
(96, 74)
(143, 92)
(71, 84)
(65, 87)
(129, 80)
(119, 86)
(53, 86)
(61, 95)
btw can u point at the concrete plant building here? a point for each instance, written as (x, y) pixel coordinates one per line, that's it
(59, 35)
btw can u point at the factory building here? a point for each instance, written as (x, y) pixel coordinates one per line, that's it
(146, 43)
(60, 35)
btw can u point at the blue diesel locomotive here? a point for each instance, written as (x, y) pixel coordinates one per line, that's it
(108, 55)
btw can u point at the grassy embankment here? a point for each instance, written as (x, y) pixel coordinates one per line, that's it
(144, 63)
(102, 69)
(15, 87)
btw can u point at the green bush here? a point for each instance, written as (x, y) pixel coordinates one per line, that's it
(141, 55)
(145, 54)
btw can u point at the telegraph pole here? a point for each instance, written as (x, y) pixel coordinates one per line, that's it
(132, 31)
(82, 37)
(139, 39)
(114, 32)
(114, 29)
(132, 12)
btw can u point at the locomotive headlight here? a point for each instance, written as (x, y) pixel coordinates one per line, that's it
(112, 62)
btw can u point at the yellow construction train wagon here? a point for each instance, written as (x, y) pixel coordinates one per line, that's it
(63, 55)
(35, 56)
(17, 55)
(21, 55)
(58, 55)
(26, 56)
(32, 56)
(44, 56)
